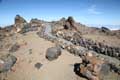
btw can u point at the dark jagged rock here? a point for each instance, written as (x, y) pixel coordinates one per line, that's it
(69, 24)
(19, 22)
(53, 53)
(70, 19)
(6, 62)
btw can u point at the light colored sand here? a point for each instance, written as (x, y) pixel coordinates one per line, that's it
(59, 69)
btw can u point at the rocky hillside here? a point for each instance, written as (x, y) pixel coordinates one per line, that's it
(58, 50)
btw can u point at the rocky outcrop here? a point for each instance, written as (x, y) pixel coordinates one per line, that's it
(19, 19)
(7, 62)
(53, 53)
(36, 22)
(69, 24)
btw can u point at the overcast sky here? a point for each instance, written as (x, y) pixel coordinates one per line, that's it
(104, 12)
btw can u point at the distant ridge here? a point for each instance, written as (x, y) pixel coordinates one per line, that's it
(111, 27)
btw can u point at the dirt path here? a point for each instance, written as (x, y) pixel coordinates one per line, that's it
(59, 69)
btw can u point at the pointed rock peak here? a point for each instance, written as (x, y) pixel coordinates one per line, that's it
(19, 19)
(17, 16)
(70, 19)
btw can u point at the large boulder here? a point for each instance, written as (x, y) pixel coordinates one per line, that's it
(53, 53)
(19, 19)
(6, 62)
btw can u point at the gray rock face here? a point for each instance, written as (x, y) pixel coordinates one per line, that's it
(53, 53)
(6, 62)
(105, 69)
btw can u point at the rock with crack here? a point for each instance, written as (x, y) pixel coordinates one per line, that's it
(53, 53)
(7, 62)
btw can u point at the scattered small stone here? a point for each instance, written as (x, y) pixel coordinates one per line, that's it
(38, 65)
(30, 51)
